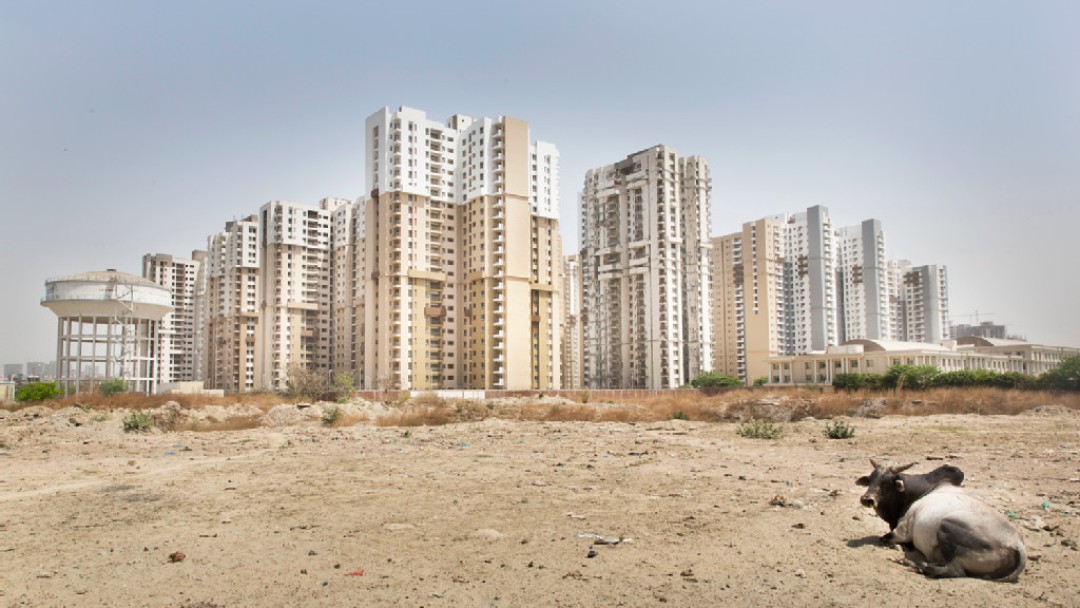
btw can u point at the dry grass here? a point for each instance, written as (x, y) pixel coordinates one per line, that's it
(780, 404)
(137, 401)
(237, 423)
(349, 419)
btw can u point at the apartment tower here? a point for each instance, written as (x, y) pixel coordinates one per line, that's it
(748, 298)
(645, 271)
(922, 296)
(231, 307)
(295, 289)
(180, 339)
(809, 282)
(463, 255)
(862, 282)
(572, 331)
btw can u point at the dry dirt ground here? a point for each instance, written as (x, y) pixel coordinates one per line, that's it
(499, 513)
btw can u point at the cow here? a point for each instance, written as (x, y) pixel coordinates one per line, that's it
(958, 534)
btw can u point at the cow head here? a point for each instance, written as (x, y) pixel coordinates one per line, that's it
(890, 491)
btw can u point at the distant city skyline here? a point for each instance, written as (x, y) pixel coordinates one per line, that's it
(141, 129)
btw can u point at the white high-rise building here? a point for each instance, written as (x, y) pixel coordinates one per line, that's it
(810, 282)
(921, 295)
(863, 284)
(645, 271)
(180, 340)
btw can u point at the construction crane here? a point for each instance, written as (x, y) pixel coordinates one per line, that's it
(975, 315)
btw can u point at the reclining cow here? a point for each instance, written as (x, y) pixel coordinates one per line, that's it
(958, 534)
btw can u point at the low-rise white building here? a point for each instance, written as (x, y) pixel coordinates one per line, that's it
(877, 356)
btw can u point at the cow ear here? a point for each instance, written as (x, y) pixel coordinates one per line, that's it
(863, 481)
(899, 483)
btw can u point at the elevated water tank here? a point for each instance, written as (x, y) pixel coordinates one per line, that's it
(107, 328)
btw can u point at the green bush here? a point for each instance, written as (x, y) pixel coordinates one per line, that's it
(838, 429)
(713, 380)
(856, 381)
(761, 381)
(760, 428)
(915, 377)
(680, 415)
(331, 415)
(1064, 377)
(37, 391)
(138, 422)
(343, 387)
(113, 386)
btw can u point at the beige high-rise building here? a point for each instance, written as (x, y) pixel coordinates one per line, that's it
(180, 339)
(748, 298)
(462, 255)
(232, 304)
(347, 272)
(645, 271)
(572, 374)
(294, 304)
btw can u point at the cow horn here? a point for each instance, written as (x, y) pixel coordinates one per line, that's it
(874, 463)
(904, 467)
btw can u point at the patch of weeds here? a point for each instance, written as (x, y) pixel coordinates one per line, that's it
(760, 428)
(406, 433)
(947, 428)
(101, 418)
(584, 398)
(331, 415)
(838, 429)
(138, 422)
(680, 415)
(489, 405)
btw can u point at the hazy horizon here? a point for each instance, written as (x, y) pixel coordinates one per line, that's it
(142, 128)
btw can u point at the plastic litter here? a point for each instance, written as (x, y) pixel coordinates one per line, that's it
(601, 540)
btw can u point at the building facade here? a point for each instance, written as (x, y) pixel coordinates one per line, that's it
(233, 352)
(572, 374)
(748, 298)
(294, 300)
(463, 255)
(862, 283)
(180, 339)
(809, 282)
(877, 356)
(646, 297)
(921, 296)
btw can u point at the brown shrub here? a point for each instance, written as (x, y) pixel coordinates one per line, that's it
(236, 423)
(348, 419)
(417, 416)
(137, 401)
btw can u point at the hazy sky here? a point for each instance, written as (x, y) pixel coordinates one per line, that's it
(135, 127)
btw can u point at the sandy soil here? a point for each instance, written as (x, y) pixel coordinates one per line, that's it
(497, 513)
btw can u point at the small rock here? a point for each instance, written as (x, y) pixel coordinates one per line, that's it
(800, 573)
(176, 557)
